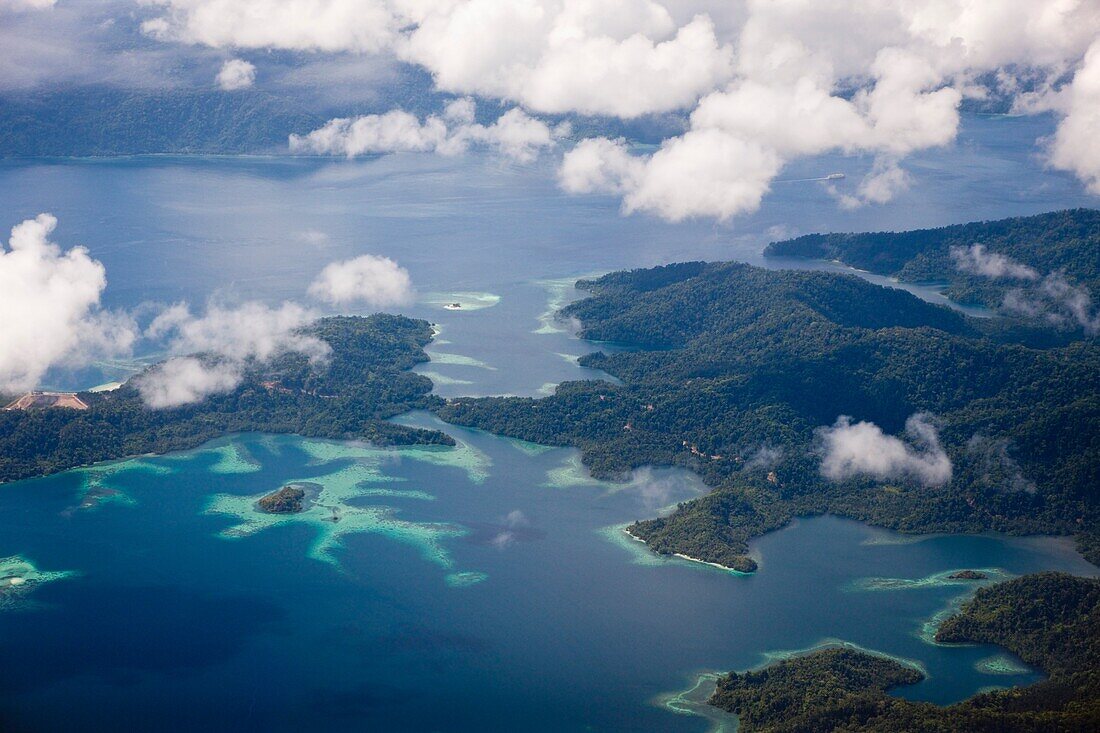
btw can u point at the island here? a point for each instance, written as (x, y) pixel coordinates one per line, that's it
(287, 500)
(1050, 620)
(967, 575)
(739, 373)
(366, 380)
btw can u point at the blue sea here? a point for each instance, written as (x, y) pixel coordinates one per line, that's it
(487, 587)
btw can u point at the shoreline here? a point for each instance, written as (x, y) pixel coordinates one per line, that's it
(689, 558)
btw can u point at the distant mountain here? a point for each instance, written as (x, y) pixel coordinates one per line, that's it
(105, 121)
(90, 121)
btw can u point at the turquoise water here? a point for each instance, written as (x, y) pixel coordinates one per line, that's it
(483, 588)
(469, 589)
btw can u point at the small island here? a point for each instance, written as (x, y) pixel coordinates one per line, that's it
(287, 500)
(967, 575)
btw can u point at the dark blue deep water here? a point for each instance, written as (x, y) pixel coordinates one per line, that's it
(481, 589)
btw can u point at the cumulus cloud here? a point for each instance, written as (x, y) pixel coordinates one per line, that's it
(615, 57)
(1074, 145)
(976, 260)
(883, 182)
(600, 165)
(741, 137)
(769, 80)
(376, 281)
(51, 304)
(514, 134)
(299, 25)
(863, 449)
(236, 74)
(226, 340)
(251, 330)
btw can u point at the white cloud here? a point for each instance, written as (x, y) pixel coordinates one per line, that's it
(392, 132)
(183, 380)
(855, 449)
(515, 134)
(581, 56)
(1057, 302)
(764, 457)
(976, 260)
(236, 74)
(774, 79)
(599, 165)
(741, 137)
(516, 519)
(1074, 147)
(618, 57)
(251, 330)
(51, 304)
(701, 173)
(299, 25)
(377, 281)
(229, 338)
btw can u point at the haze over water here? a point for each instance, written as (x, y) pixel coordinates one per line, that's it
(503, 601)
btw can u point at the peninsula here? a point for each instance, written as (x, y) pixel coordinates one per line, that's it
(365, 381)
(1050, 620)
(734, 371)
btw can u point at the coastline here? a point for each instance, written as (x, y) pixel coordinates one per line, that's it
(682, 556)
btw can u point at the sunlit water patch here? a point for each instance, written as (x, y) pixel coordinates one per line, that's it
(1001, 664)
(461, 301)
(947, 578)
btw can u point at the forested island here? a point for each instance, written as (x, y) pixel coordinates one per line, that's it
(365, 380)
(1050, 620)
(733, 371)
(1029, 261)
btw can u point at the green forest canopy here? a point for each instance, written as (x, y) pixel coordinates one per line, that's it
(730, 370)
(366, 380)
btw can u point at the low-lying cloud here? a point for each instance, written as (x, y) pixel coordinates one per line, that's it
(236, 74)
(976, 260)
(515, 134)
(1056, 301)
(216, 348)
(376, 281)
(186, 379)
(50, 299)
(512, 523)
(863, 449)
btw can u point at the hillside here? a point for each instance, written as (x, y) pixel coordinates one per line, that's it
(1050, 620)
(1055, 250)
(365, 381)
(735, 371)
